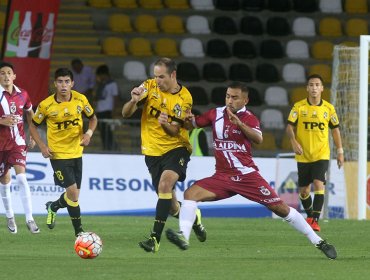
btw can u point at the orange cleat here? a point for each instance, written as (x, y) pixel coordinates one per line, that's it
(314, 224)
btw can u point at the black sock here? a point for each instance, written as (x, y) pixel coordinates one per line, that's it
(162, 210)
(75, 215)
(307, 205)
(60, 203)
(318, 202)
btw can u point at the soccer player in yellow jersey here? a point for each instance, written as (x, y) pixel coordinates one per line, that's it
(164, 142)
(308, 127)
(63, 113)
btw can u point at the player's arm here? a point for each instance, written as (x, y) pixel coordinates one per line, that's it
(171, 128)
(93, 122)
(29, 115)
(290, 131)
(338, 143)
(45, 151)
(131, 106)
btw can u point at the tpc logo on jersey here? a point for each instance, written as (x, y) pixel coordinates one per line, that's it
(12, 107)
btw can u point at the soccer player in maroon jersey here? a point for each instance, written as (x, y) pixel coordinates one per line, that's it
(13, 148)
(234, 130)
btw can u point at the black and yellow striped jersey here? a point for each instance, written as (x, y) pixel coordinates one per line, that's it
(154, 140)
(64, 124)
(312, 128)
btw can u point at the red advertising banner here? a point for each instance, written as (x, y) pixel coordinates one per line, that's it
(29, 33)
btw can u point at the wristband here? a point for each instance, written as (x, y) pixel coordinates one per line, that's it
(89, 132)
(340, 151)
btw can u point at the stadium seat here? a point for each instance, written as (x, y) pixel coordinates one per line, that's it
(202, 4)
(322, 49)
(2, 21)
(356, 26)
(305, 6)
(119, 23)
(272, 119)
(114, 46)
(177, 4)
(356, 7)
(277, 26)
(172, 24)
(224, 25)
(214, 72)
(267, 73)
(254, 97)
(134, 71)
(125, 4)
(251, 25)
(151, 4)
(146, 24)
(188, 72)
(253, 5)
(298, 94)
(166, 47)
(279, 5)
(330, 27)
(244, 49)
(268, 144)
(199, 95)
(271, 49)
(218, 48)
(326, 94)
(197, 25)
(331, 6)
(227, 5)
(304, 26)
(276, 96)
(100, 3)
(297, 49)
(294, 73)
(285, 143)
(140, 47)
(324, 70)
(240, 72)
(349, 43)
(218, 95)
(192, 47)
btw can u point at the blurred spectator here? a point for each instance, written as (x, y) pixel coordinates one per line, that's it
(84, 79)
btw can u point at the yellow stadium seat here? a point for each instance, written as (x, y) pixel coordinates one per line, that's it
(114, 46)
(356, 6)
(268, 144)
(349, 43)
(120, 23)
(177, 4)
(324, 70)
(166, 47)
(2, 20)
(172, 24)
(356, 27)
(100, 3)
(151, 4)
(326, 94)
(146, 24)
(322, 50)
(285, 143)
(125, 4)
(330, 26)
(297, 94)
(140, 47)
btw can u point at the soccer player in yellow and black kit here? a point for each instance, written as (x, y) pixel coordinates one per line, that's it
(308, 127)
(63, 113)
(164, 142)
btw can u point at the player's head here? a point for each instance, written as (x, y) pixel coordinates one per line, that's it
(236, 96)
(315, 85)
(7, 75)
(165, 74)
(63, 81)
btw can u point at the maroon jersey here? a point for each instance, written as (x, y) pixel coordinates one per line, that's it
(232, 149)
(13, 104)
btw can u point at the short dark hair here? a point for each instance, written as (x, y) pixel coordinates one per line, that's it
(239, 85)
(6, 64)
(62, 72)
(102, 70)
(315, 76)
(168, 62)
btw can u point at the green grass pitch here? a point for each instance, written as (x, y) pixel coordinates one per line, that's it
(236, 249)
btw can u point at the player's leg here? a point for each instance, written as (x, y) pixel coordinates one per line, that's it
(71, 197)
(304, 183)
(5, 183)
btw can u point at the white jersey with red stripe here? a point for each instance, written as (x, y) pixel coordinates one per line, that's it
(13, 104)
(232, 149)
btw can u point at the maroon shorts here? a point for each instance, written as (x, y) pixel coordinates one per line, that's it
(251, 186)
(17, 156)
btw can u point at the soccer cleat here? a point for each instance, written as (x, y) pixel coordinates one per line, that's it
(177, 238)
(327, 249)
(79, 231)
(150, 245)
(12, 226)
(199, 229)
(32, 227)
(314, 224)
(50, 220)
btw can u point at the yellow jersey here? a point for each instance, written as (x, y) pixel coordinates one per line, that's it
(312, 128)
(154, 140)
(64, 124)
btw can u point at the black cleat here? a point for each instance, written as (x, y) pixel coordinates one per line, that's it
(150, 245)
(177, 238)
(50, 220)
(199, 229)
(327, 249)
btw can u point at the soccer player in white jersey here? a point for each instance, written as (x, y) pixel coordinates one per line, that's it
(234, 130)
(13, 148)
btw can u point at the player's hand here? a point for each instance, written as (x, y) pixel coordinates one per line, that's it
(297, 148)
(31, 144)
(46, 152)
(163, 118)
(85, 141)
(340, 160)
(232, 117)
(136, 93)
(9, 120)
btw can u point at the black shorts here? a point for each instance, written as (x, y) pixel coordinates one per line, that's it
(309, 171)
(67, 171)
(175, 160)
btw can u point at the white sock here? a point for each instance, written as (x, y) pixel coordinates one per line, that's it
(300, 224)
(7, 200)
(187, 217)
(25, 193)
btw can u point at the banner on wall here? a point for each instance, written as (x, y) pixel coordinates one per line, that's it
(28, 34)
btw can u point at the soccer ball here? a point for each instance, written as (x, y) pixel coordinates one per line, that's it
(88, 245)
